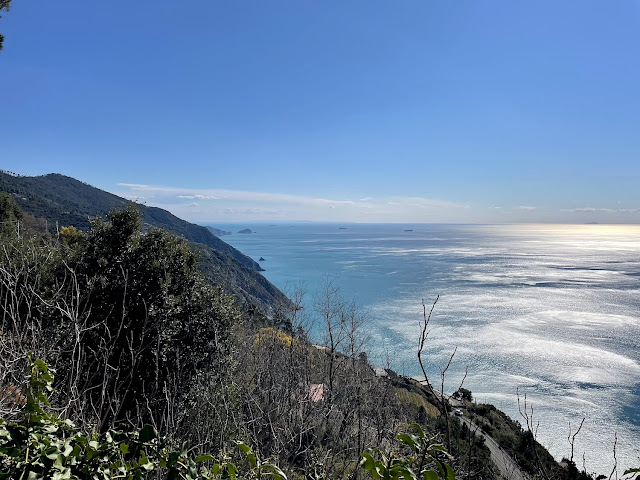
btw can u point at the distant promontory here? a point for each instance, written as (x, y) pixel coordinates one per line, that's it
(217, 232)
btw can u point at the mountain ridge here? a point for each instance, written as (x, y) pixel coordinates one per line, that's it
(66, 201)
(71, 202)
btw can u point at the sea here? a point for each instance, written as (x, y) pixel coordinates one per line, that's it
(546, 312)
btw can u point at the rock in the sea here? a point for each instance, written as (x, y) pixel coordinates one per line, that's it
(261, 259)
(246, 230)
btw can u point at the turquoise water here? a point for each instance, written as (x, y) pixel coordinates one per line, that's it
(547, 310)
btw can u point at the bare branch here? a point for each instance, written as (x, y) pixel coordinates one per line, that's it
(572, 438)
(424, 333)
(615, 459)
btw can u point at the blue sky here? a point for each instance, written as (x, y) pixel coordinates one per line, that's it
(350, 110)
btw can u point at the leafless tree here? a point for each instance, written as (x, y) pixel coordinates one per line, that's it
(614, 470)
(572, 438)
(527, 413)
(443, 399)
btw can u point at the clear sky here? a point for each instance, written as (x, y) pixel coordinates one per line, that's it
(344, 110)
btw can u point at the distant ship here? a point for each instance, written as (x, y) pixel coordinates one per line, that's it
(408, 230)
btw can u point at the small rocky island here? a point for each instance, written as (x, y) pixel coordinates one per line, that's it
(246, 230)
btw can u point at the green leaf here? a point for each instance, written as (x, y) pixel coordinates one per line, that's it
(173, 459)
(378, 471)
(410, 440)
(251, 456)
(148, 433)
(441, 468)
(204, 458)
(430, 475)
(67, 449)
(62, 475)
(419, 429)
(244, 447)
(450, 473)
(404, 472)
(232, 469)
(367, 462)
(41, 365)
(76, 451)
(273, 471)
(441, 448)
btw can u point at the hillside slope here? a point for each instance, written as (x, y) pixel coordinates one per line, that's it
(65, 201)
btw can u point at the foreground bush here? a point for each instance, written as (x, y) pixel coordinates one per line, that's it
(41, 445)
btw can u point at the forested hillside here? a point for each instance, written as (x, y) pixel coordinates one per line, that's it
(65, 201)
(54, 201)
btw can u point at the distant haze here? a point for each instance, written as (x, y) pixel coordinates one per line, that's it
(218, 205)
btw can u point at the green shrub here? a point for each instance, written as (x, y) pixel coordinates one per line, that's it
(427, 460)
(42, 445)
